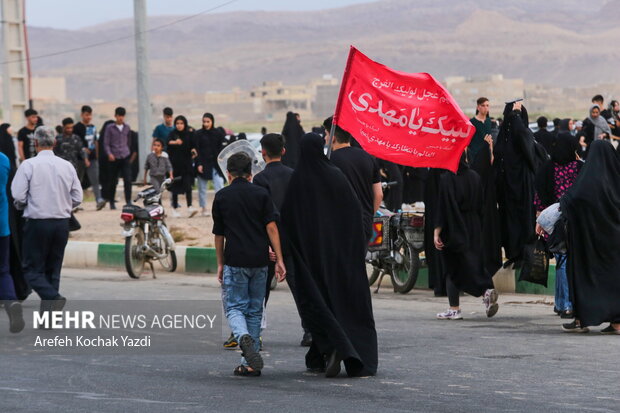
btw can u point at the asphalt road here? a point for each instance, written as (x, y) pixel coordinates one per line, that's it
(518, 361)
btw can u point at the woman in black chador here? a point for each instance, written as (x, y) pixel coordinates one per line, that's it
(180, 144)
(491, 234)
(292, 132)
(592, 208)
(515, 164)
(322, 222)
(434, 257)
(458, 234)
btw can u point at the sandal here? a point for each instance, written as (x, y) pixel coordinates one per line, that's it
(244, 371)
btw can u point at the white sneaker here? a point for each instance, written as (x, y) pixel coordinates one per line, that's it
(450, 315)
(192, 211)
(490, 302)
(175, 213)
(205, 213)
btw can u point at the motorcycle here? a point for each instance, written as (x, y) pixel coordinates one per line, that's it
(395, 246)
(147, 237)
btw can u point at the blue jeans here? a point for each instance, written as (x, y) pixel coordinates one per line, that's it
(243, 293)
(218, 183)
(562, 299)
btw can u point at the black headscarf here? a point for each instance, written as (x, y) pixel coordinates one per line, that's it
(591, 207)
(322, 221)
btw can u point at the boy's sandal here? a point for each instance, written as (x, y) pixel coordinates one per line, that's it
(243, 371)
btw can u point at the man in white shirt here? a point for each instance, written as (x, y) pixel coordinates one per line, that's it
(47, 188)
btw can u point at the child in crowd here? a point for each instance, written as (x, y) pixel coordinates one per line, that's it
(245, 216)
(157, 165)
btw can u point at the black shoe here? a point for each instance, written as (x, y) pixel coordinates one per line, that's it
(59, 303)
(574, 327)
(112, 205)
(556, 311)
(610, 330)
(333, 365)
(16, 316)
(567, 315)
(100, 205)
(306, 341)
(250, 354)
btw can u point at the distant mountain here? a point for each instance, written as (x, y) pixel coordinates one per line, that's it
(556, 42)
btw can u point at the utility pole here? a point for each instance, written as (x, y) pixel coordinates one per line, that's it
(142, 77)
(15, 84)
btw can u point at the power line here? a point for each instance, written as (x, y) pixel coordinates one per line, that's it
(90, 46)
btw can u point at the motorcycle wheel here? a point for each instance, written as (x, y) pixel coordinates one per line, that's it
(373, 271)
(405, 275)
(134, 259)
(170, 262)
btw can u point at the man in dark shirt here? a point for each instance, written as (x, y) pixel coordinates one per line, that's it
(25, 136)
(543, 136)
(275, 179)
(118, 149)
(245, 217)
(69, 147)
(88, 134)
(360, 169)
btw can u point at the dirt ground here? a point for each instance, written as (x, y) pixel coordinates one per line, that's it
(105, 225)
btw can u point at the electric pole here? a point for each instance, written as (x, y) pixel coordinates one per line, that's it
(142, 78)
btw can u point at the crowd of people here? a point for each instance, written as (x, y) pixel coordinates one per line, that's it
(308, 218)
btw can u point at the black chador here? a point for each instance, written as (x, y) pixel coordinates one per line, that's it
(491, 235)
(592, 208)
(292, 133)
(434, 257)
(459, 214)
(322, 220)
(515, 164)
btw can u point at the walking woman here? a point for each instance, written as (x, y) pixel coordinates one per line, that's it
(458, 234)
(594, 127)
(209, 141)
(180, 153)
(322, 221)
(553, 179)
(591, 207)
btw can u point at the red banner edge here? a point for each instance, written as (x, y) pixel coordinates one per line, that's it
(345, 77)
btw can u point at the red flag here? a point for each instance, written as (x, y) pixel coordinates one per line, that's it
(406, 118)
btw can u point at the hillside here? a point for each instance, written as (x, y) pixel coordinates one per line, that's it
(555, 42)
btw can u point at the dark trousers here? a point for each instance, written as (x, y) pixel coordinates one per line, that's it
(120, 167)
(175, 199)
(43, 251)
(453, 293)
(7, 288)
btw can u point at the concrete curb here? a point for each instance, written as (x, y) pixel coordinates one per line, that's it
(82, 254)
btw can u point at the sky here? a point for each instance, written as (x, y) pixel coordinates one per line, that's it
(76, 14)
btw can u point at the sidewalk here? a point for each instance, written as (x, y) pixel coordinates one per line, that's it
(201, 260)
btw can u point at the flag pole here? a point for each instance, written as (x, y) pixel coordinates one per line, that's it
(345, 78)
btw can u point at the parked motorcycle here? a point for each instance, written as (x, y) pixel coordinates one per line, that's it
(394, 248)
(147, 237)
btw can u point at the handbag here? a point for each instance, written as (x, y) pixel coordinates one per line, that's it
(74, 224)
(535, 267)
